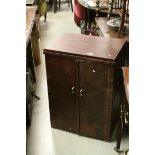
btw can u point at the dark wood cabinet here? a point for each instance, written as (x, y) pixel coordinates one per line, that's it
(83, 84)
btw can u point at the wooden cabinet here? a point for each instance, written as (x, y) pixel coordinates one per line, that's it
(83, 84)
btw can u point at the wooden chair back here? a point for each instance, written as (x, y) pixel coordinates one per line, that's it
(120, 8)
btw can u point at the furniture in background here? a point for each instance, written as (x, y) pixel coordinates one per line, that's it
(83, 78)
(55, 4)
(30, 67)
(79, 13)
(50, 3)
(82, 17)
(120, 8)
(66, 1)
(90, 11)
(87, 31)
(116, 24)
(31, 26)
(103, 29)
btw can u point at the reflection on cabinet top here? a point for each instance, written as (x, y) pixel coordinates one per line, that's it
(86, 46)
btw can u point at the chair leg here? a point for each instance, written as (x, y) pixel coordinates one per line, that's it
(122, 19)
(55, 5)
(71, 5)
(45, 15)
(59, 3)
(111, 9)
(51, 3)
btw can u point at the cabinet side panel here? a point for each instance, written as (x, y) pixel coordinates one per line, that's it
(61, 92)
(96, 82)
(121, 60)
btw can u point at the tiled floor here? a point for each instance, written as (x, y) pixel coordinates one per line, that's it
(41, 139)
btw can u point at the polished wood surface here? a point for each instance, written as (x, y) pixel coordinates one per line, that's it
(83, 90)
(126, 81)
(106, 31)
(92, 46)
(30, 16)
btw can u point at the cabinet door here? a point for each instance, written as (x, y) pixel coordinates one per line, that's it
(61, 90)
(95, 99)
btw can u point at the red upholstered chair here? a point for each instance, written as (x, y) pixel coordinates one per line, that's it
(79, 13)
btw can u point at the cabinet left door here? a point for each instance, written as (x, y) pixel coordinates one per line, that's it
(61, 81)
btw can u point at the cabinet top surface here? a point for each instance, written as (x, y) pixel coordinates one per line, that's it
(85, 45)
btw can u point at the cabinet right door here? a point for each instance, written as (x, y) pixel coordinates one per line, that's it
(96, 89)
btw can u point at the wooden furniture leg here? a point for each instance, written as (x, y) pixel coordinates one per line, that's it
(45, 15)
(55, 5)
(71, 5)
(51, 3)
(119, 135)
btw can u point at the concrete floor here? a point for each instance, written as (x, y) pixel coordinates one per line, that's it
(41, 138)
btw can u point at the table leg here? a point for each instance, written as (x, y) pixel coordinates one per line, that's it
(88, 18)
(71, 5)
(51, 3)
(55, 5)
(119, 134)
(45, 15)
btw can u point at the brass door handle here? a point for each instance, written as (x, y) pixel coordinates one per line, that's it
(126, 115)
(81, 92)
(73, 90)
